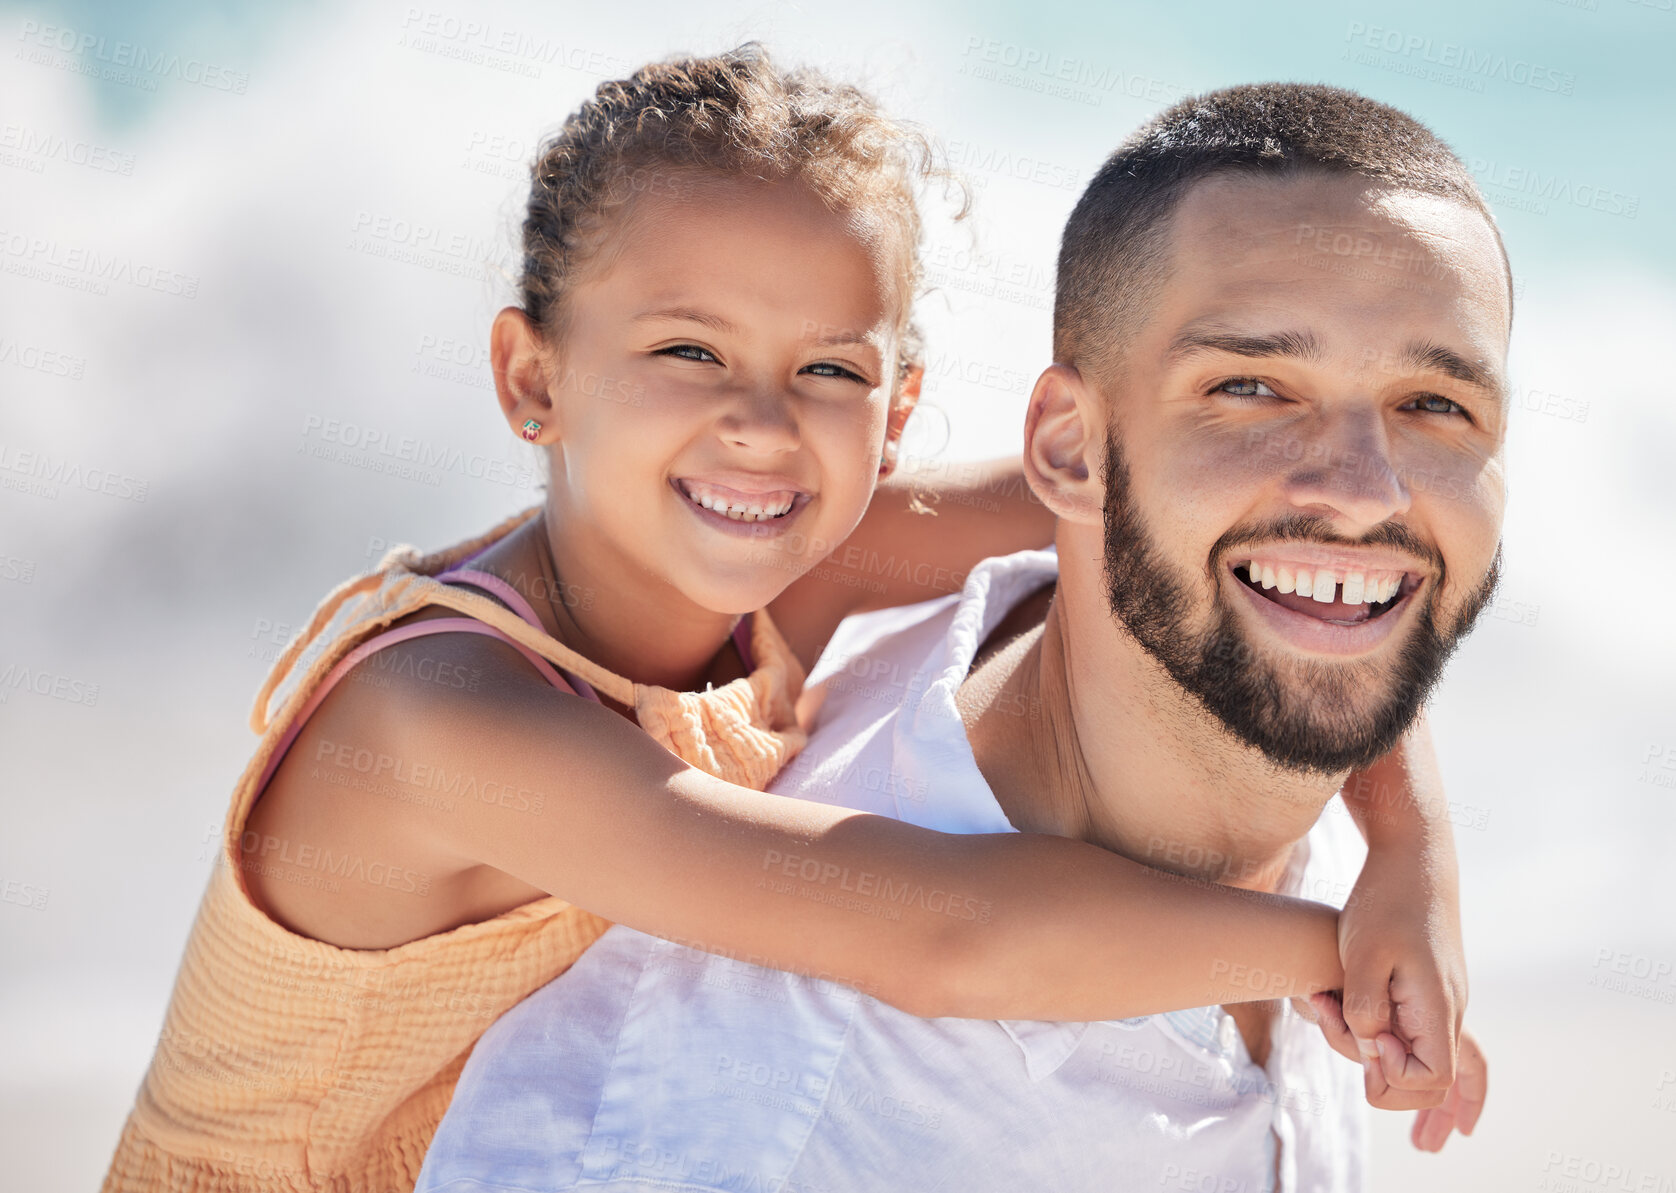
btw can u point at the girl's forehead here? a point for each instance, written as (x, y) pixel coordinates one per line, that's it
(768, 240)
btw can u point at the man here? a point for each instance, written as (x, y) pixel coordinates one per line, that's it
(1272, 439)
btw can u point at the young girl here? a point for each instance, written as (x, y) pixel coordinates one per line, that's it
(569, 711)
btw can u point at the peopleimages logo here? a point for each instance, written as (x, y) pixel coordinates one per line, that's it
(1060, 76)
(1536, 190)
(128, 62)
(1478, 64)
(42, 473)
(406, 456)
(41, 146)
(46, 259)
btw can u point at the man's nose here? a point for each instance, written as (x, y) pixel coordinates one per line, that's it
(1346, 471)
(760, 418)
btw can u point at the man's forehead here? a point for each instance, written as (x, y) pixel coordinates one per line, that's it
(1272, 254)
(1260, 214)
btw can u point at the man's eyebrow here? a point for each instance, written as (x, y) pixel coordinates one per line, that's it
(1192, 341)
(691, 314)
(1429, 355)
(1419, 355)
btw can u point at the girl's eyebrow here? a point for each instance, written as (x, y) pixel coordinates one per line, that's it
(833, 336)
(844, 339)
(691, 314)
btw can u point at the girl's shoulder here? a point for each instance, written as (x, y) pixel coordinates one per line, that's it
(376, 775)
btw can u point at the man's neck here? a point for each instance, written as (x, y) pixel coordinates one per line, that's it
(1081, 734)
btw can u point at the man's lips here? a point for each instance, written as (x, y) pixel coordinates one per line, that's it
(1332, 626)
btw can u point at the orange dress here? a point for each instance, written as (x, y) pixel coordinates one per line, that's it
(287, 1064)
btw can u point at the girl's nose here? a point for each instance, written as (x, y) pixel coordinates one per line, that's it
(761, 419)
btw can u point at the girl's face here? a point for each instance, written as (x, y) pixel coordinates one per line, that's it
(721, 391)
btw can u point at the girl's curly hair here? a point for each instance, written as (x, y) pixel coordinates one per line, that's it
(734, 114)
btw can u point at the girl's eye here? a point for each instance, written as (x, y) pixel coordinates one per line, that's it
(688, 352)
(1245, 387)
(826, 368)
(1435, 404)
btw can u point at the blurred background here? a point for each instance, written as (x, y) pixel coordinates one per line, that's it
(248, 259)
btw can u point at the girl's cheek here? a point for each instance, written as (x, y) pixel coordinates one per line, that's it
(848, 434)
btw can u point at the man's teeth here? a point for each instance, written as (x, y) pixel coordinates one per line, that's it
(1353, 588)
(741, 511)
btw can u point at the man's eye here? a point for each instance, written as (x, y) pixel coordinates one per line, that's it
(826, 368)
(1435, 404)
(687, 352)
(1245, 387)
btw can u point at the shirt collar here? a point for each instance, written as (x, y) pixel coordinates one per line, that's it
(930, 734)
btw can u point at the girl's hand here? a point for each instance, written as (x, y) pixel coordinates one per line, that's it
(1460, 1106)
(1405, 984)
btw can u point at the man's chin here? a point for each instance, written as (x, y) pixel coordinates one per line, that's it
(1306, 735)
(1313, 715)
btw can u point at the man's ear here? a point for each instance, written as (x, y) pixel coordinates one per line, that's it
(901, 407)
(520, 362)
(1064, 445)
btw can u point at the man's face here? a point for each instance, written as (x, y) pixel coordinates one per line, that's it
(1304, 476)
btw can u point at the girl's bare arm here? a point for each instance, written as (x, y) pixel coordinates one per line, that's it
(1002, 925)
(926, 527)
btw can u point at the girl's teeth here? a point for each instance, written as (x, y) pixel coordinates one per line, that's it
(741, 512)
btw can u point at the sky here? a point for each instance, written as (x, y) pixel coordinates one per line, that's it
(246, 249)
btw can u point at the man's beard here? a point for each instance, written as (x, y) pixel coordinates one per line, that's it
(1304, 714)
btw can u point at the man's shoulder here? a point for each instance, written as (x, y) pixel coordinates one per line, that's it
(907, 629)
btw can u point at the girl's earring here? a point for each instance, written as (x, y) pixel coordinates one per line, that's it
(531, 429)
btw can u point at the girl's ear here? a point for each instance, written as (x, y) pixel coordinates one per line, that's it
(520, 362)
(901, 407)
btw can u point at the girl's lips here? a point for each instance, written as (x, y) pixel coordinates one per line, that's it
(768, 497)
(767, 528)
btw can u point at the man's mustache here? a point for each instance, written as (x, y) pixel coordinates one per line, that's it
(1313, 528)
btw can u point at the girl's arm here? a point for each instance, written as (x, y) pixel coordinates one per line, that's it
(927, 525)
(995, 926)
(1405, 987)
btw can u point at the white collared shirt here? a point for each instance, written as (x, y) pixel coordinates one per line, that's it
(653, 1066)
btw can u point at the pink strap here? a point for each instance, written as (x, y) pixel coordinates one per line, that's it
(741, 632)
(497, 586)
(742, 642)
(575, 685)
